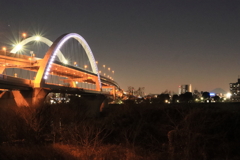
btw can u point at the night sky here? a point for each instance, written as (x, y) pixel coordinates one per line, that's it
(156, 44)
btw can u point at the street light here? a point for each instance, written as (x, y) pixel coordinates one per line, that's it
(113, 74)
(24, 35)
(85, 67)
(30, 59)
(4, 49)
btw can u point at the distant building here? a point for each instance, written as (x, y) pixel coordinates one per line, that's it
(235, 90)
(184, 88)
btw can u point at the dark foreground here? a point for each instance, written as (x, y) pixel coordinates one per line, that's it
(134, 132)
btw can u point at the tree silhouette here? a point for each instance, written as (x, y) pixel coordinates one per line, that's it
(216, 98)
(163, 98)
(206, 96)
(186, 97)
(175, 98)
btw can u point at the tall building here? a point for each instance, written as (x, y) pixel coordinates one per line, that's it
(235, 90)
(184, 88)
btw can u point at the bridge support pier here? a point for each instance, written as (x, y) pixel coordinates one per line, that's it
(113, 91)
(91, 104)
(24, 98)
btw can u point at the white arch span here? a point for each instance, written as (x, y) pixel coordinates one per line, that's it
(41, 39)
(51, 54)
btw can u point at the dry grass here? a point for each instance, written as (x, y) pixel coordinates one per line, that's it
(183, 131)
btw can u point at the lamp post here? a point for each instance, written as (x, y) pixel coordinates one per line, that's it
(113, 74)
(5, 53)
(85, 67)
(32, 55)
(24, 35)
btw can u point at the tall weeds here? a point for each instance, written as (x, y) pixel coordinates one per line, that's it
(130, 131)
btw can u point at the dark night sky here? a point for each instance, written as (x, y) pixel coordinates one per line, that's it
(156, 44)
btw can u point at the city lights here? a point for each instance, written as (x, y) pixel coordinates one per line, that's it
(228, 95)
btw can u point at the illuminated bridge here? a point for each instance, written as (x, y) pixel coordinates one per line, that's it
(28, 73)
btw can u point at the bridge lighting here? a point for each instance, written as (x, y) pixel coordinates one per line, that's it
(51, 60)
(109, 69)
(104, 66)
(96, 62)
(37, 38)
(99, 72)
(113, 72)
(18, 47)
(85, 66)
(65, 62)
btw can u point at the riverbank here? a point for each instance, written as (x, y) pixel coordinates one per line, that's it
(127, 131)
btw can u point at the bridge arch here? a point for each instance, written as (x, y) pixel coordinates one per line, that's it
(49, 57)
(41, 39)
